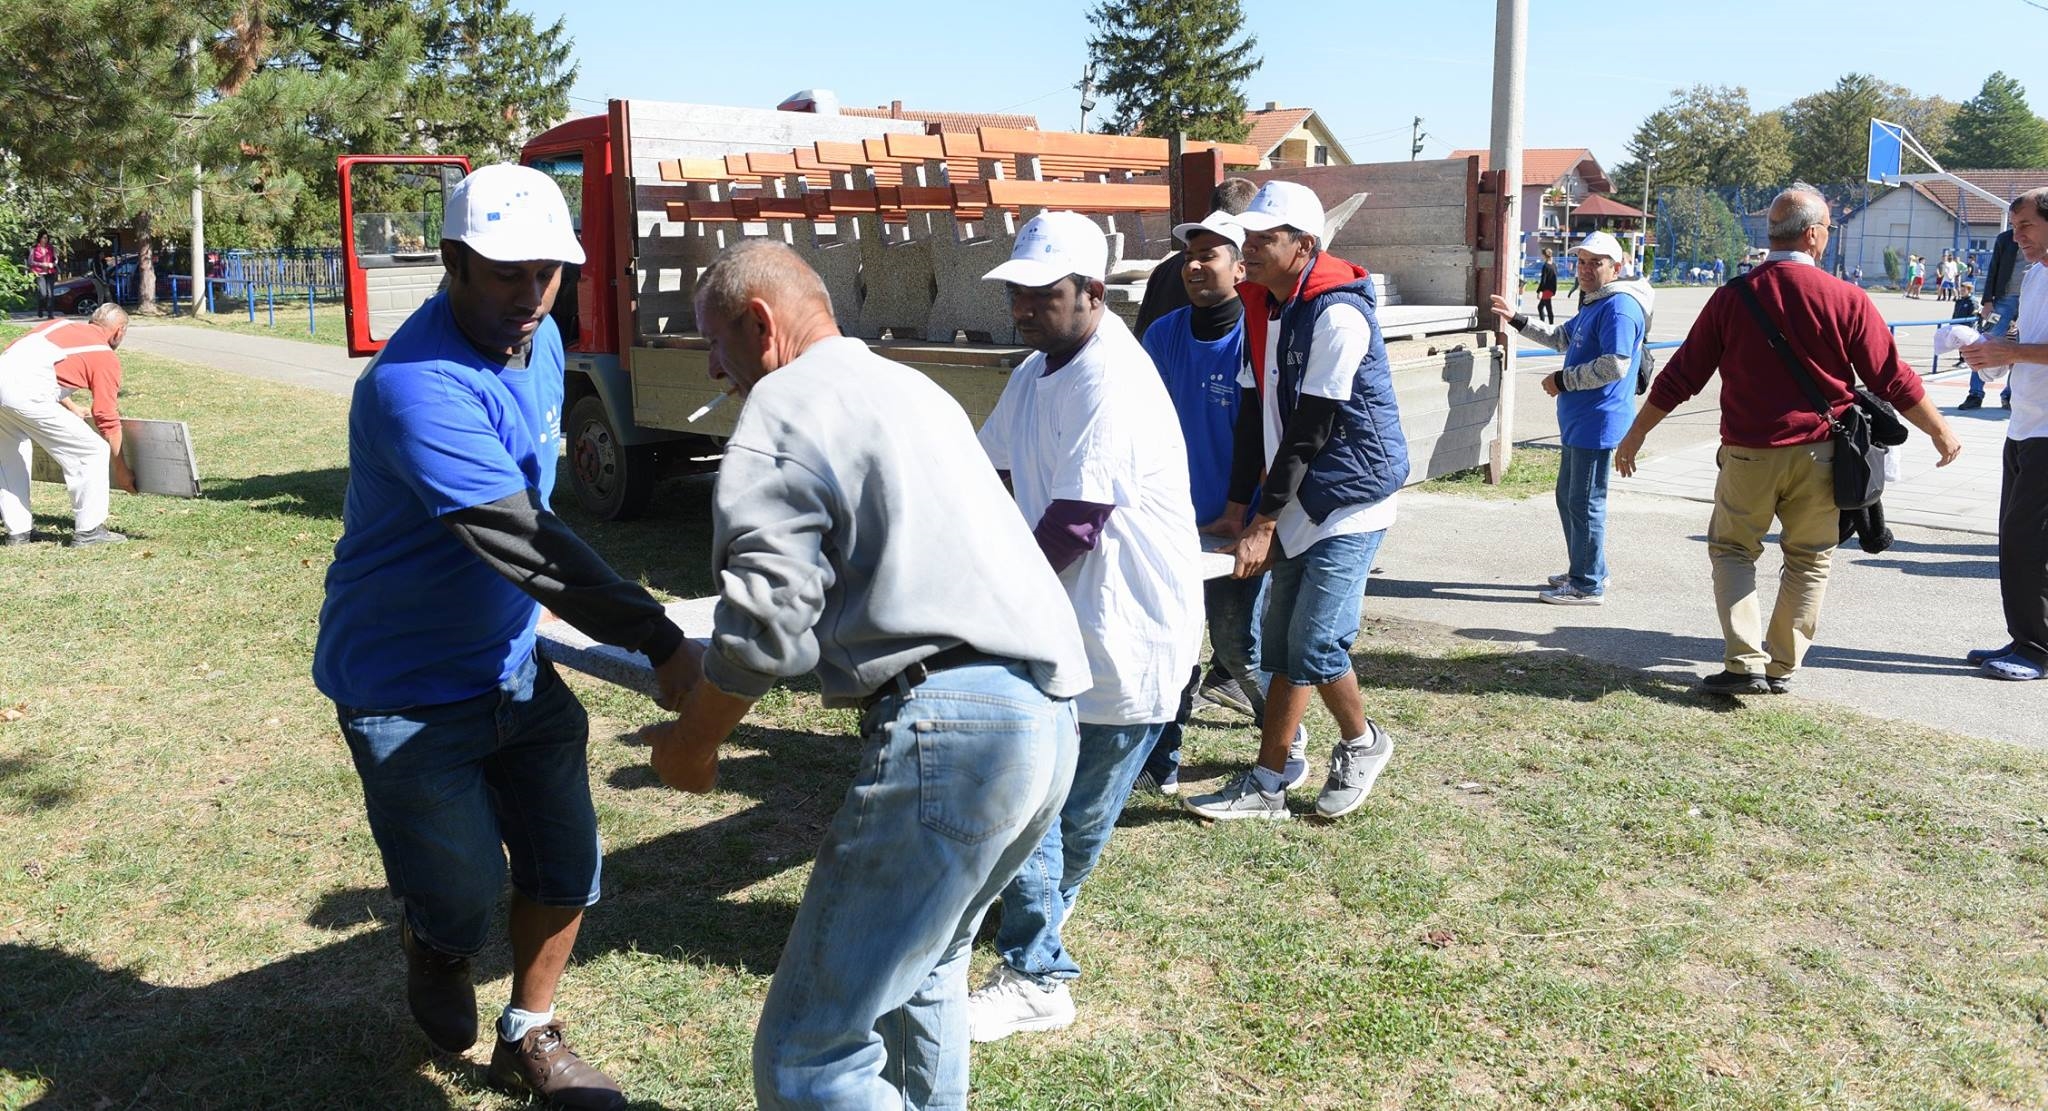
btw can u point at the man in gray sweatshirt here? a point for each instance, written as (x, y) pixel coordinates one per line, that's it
(858, 531)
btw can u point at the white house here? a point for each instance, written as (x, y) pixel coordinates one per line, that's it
(1929, 217)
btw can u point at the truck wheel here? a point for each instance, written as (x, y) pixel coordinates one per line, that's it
(612, 481)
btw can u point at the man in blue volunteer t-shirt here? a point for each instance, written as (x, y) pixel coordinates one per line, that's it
(468, 744)
(1199, 350)
(1596, 401)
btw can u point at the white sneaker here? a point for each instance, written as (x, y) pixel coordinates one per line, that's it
(1013, 1003)
(1556, 581)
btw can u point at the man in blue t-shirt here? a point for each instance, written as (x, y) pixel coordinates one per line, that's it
(1596, 401)
(1199, 350)
(468, 744)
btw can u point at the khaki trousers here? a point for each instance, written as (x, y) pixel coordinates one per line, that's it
(1796, 486)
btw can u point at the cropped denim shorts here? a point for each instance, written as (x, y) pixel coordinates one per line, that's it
(1313, 606)
(457, 789)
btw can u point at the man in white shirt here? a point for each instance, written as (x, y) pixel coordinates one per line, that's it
(2023, 501)
(1087, 436)
(1319, 422)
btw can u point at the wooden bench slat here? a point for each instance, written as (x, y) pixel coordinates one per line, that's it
(1081, 196)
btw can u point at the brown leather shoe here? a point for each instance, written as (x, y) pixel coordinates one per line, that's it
(438, 989)
(543, 1064)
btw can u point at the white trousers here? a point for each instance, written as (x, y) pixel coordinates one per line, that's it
(70, 441)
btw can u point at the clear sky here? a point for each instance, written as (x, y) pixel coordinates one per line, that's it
(1368, 66)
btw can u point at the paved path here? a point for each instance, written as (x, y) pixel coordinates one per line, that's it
(316, 366)
(1893, 628)
(1892, 631)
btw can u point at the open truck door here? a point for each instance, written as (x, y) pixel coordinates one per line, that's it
(391, 208)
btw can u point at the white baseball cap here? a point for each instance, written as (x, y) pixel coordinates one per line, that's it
(1218, 222)
(510, 213)
(1050, 247)
(1602, 244)
(1284, 204)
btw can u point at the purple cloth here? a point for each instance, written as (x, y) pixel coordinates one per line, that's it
(1070, 530)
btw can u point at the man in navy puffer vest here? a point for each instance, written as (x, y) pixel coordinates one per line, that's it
(1318, 424)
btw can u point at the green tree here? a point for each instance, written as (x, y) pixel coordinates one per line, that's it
(1830, 129)
(1174, 65)
(1706, 135)
(1995, 130)
(1695, 225)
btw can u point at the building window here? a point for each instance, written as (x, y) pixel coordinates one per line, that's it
(1322, 155)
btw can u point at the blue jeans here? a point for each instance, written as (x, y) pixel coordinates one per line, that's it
(1039, 900)
(959, 778)
(1234, 607)
(2003, 309)
(452, 789)
(1582, 507)
(1313, 608)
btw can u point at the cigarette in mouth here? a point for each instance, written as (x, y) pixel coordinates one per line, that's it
(707, 407)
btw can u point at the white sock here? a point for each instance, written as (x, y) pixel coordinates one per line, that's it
(1364, 739)
(515, 1024)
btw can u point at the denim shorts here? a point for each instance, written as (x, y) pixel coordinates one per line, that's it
(1313, 606)
(455, 789)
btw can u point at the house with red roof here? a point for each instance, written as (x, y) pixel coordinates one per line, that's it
(1293, 138)
(1561, 189)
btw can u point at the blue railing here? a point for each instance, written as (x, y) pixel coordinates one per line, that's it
(1933, 360)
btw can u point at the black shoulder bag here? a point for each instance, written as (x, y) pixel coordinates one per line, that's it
(1864, 432)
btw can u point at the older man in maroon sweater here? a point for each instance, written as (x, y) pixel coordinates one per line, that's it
(1777, 454)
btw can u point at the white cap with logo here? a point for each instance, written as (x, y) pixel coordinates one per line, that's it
(510, 213)
(1218, 222)
(1050, 247)
(1602, 244)
(1284, 204)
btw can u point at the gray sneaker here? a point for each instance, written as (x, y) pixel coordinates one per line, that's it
(100, 535)
(1240, 798)
(1353, 770)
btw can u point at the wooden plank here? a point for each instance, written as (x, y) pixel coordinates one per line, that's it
(770, 162)
(1080, 196)
(904, 146)
(694, 170)
(915, 198)
(851, 200)
(1132, 150)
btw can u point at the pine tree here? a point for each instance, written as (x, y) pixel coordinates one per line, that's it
(1174, 65)
(1995, 130)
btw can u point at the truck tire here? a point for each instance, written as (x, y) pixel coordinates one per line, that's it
(612, 481)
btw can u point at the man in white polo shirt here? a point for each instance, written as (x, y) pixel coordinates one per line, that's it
(1087, 437)
(2023, 503)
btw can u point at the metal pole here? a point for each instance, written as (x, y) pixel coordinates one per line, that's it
(198, 205)
(1643, 240)
(310, 329)
(1510, 54)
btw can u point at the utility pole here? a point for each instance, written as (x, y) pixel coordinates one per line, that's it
(1415, 140)
(1510, 57)
(198, 211)
(1643, 240)
(1087, 87)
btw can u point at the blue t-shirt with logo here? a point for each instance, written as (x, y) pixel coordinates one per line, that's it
(1597, 419)
(1201, 377)
(412, 617)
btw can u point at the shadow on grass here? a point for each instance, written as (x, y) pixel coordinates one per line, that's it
(328, 1027)
(1649, 648)
(316, 494)
(21, 783)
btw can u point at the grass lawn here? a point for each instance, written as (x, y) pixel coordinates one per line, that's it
(1532, 470)
(1574, 888)
(329, 324)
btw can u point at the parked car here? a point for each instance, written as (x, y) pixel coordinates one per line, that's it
(78, 295)
(83, 294)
